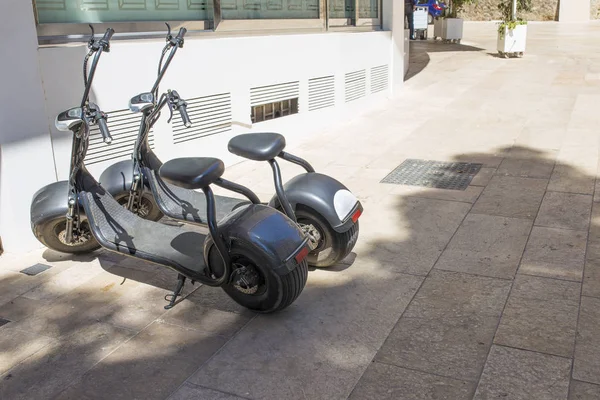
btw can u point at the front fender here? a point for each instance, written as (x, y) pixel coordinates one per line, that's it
(48, 203)
(325, 195)
(267, 230)
(118, 178)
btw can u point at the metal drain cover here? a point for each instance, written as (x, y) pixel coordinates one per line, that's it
(433, 174)
(35, 269)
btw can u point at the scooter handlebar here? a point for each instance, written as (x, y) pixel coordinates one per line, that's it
(184, 115)
(104, 129)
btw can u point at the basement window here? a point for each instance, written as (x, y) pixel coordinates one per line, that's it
(264, 112)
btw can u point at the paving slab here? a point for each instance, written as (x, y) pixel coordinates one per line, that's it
(508, 196)
(540, 315)
(483, 177)
(526, 168)
(48, 371)
(16, 346)
(449, 326)
(388, 382)
(555, 253)
(587, 346)
(409, 233)
(583, 391)
(194, 392)
(319, 347)
(150, 366)
(523, 375)
(565, 210)
(20, 308)
(486, 245)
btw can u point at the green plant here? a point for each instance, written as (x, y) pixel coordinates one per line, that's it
(455, 6)
(509, 20)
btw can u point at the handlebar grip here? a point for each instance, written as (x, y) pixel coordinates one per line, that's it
(184, 116)
(108, 34)
(181, 33)
(104, 130)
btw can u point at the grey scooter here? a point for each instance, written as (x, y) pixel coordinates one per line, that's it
(322, 206)
(255, 253)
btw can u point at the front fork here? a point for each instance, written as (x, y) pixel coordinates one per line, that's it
(134, 202)
(72, 230)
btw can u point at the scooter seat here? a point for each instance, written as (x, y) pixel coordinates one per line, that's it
(262, 146)
(192, 172)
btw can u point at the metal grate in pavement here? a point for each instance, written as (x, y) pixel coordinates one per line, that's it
(433, 174)
(35, 269)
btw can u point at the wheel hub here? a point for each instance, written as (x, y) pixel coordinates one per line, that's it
(78, 240)
(314, 236)
(245, 279)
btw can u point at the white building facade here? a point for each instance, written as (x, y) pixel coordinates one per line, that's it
(290, 66)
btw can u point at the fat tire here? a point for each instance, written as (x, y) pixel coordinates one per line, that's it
(49, 238)
(339, 244)
(281, 292)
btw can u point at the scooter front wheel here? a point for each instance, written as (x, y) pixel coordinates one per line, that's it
(53, 233)
(148, 208)
(331, 246)
(255, 284)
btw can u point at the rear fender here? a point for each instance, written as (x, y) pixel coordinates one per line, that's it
(323, 194)
(265, 229)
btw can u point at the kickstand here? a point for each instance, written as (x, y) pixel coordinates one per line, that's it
(176, 293)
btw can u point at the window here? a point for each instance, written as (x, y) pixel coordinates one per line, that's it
(59, 20)
(97, 11)
(264, 112)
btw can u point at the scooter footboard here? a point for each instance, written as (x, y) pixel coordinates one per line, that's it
(267, 230)
(325, 195)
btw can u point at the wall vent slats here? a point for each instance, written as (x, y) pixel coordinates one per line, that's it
(321, 92)
(209, 115)
(379, 78)
(355, 85)
(123, 126)
(270, 94)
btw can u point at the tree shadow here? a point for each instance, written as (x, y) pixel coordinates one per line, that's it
(110, 338)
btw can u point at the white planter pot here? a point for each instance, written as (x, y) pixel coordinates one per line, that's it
(512, 41)
(448, 29)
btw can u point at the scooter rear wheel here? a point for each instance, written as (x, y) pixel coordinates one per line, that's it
(52, 235)
(332, 246)
(254, 284)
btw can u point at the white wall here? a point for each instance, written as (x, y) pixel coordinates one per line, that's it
(26, 161)
(210, 66)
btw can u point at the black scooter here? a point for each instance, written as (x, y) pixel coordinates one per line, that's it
(323, 207)
(255, 253)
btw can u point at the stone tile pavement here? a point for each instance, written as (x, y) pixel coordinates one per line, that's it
(492, 292)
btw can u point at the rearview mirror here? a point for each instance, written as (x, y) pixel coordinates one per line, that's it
(66, 120)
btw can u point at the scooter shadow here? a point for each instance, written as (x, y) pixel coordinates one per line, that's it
(341, 266)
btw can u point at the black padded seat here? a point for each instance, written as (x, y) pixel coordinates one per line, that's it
(262, 146)
(192, 172)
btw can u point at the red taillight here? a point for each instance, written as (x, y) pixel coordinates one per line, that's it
(301, 255)
(356, 214)
(437, 7)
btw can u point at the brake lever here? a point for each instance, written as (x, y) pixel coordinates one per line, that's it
(171, 104)
(91, 41)
(169, 36)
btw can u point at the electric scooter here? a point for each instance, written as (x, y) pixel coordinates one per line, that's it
(323, 207)
(256, 254)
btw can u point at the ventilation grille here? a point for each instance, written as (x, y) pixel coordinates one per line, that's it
(271, 94)
(210, 115)
(321, 93)
(123, 126)
(379, 78)
(356, 85)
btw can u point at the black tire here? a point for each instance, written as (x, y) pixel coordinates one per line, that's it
(274, 292)
(50, 235)
(150, 210)
(334, 246)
